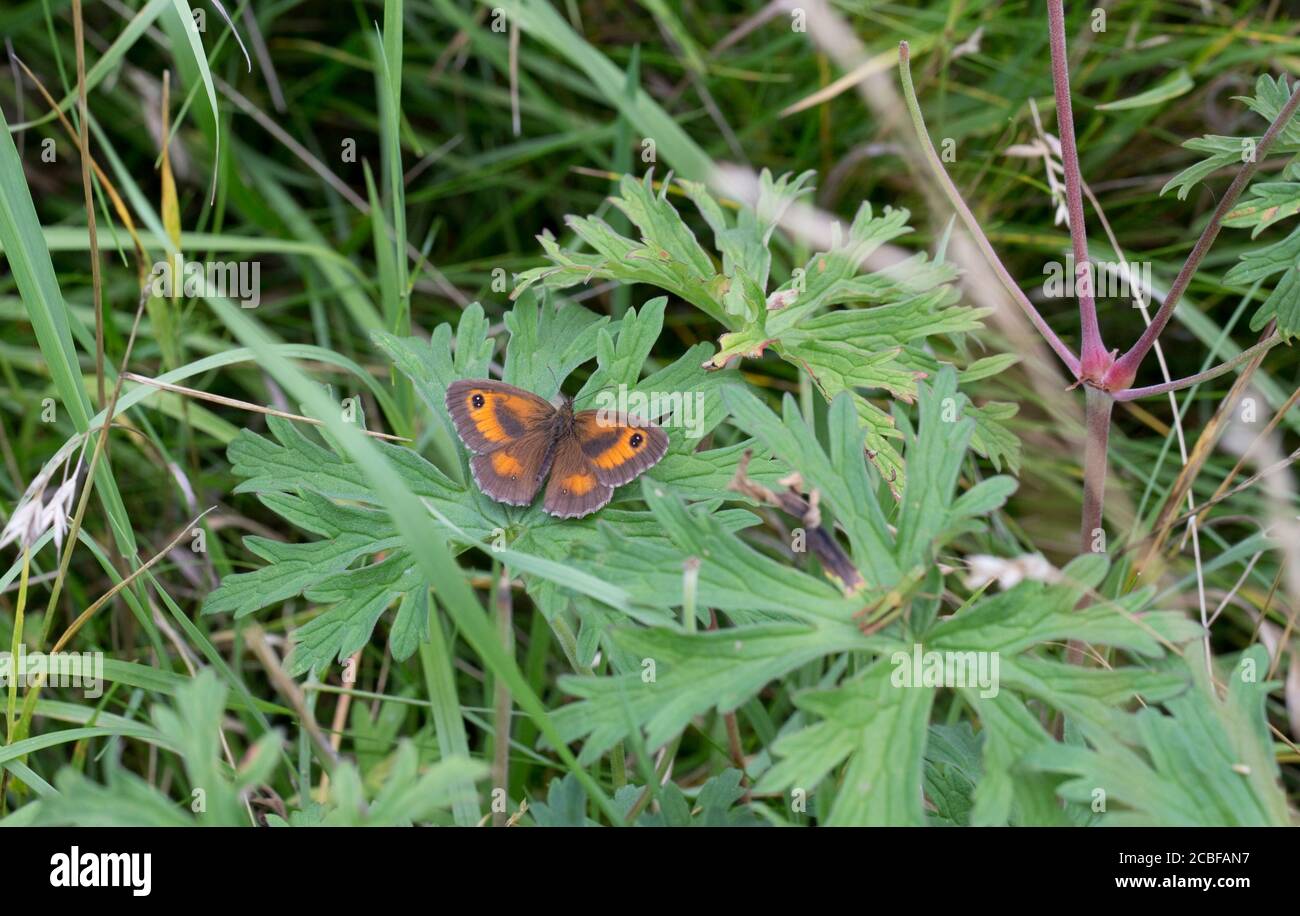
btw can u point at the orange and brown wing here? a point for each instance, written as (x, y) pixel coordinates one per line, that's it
(513, 473)
(574, 489)
(619, 450)
(489, 415)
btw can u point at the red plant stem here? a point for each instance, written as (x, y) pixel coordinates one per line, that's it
(971, 223)
(1121, 374)
(1097, 409)
(1093, 353)
(1132, 394)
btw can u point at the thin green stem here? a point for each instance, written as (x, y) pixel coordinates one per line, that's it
(101, 440)
(449, 726)
(502, 701)
(16, 645)
(971, 223)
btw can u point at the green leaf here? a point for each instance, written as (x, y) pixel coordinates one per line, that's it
(934, 459)
(1220, 152)
(992, 438)
(1177, 84)
(191, 726)
(744, 242)
(565, 805)
(194, 45)
(419, 531)
(1010, 792)
(880, 730)
(1283, 303)
(681, 676)
(1208, 761)
(714, 805)
(1269, 202)
(538, 19)
(33, 273)
(1270, 98)
(668, 255)
(878, 346)
(361, 565)
(839, 475)
(952, 770)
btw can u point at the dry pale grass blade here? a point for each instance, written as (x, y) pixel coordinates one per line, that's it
(288, 688)
(434, 155)
(870, 75)
(882, 63)
(83, 144)
(248, 61)
(241, 405)
(1220, 497)
(502, 703)
(340, 721)
(1148, 564)
(119, 205)
(1267, 431)
(101, 442)
(1279, 499)
(103, 599)
(757, 21)
(263, 55)
(305, 155)
(831, 32)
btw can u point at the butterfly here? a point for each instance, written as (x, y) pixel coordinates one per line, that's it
(518, 438)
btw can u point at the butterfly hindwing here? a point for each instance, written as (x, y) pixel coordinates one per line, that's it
(574, 489)
(513, 473)
(619, 449)
(518, 438)
(489, 415)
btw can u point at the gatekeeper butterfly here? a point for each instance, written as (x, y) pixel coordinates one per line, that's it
(518, 438)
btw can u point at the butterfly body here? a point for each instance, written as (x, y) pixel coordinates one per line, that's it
(519, 438)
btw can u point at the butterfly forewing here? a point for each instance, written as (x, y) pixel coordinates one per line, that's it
(491, 414)
(617, 448)
(510, 429)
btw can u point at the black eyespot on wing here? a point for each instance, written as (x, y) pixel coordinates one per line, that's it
(477, 401)
(636, 440)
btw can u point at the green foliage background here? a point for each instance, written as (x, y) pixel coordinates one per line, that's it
(341, 649)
